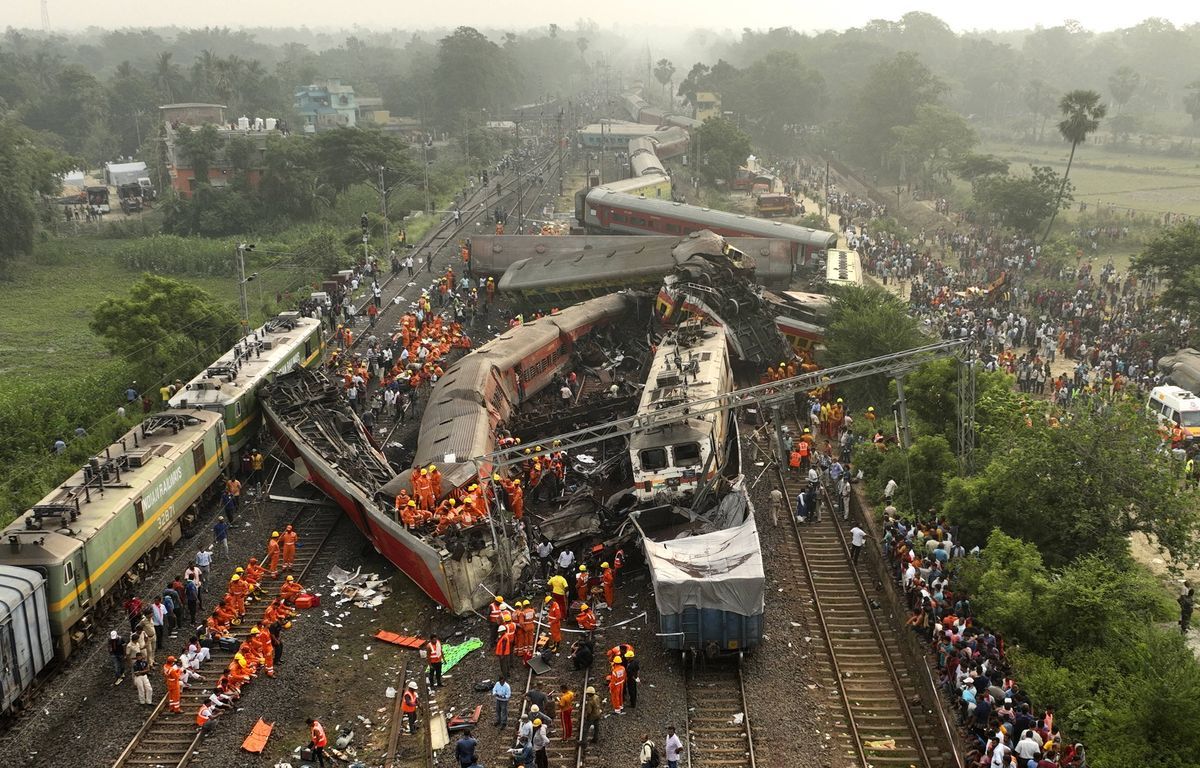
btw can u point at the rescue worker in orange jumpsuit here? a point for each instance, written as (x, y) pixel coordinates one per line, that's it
(554, 619)
(288, 539)
(435, 478)
(435, 657)
(408, 706)
(423, 488)
(290, 590)
(172, 673)
(238, 589)
(616, 686)
(496, 614)
(618, 564)
(260, 640)
(317, 741)
(254, 572)
(408, 515)
(528, 630)
(582, 581)
(609, 592)
(586, 619)
(273, 554)
(402, 500)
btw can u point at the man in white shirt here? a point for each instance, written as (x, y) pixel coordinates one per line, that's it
(566, 559)
(889, 490)
(858, 537)
(672, 748)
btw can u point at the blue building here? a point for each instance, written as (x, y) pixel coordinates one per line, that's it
(326, 104)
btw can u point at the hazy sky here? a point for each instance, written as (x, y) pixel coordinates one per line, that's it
(960, 14)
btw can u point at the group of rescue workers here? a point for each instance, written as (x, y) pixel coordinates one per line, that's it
(254, 653)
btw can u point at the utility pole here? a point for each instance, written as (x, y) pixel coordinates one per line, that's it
(520, 189)
(242, 280)
(383, 193)
(425, 156)
(559, 139)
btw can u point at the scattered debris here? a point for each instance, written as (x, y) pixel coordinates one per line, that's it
(365, 590)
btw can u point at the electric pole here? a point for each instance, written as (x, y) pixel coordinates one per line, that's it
(559, 139)
(520, 189)
(242, 280)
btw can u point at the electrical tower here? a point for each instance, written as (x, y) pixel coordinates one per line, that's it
(45, 15)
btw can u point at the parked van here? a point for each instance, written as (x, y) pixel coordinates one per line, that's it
(1176, 407)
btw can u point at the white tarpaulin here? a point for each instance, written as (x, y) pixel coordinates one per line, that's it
(722, 570)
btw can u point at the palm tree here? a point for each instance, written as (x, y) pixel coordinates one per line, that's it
(166, 76)
(1082, 113)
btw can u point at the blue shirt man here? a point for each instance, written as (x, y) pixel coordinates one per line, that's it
(502, 692)
(464, 750)
(221, 533)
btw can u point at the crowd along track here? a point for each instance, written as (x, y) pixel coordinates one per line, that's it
(718, 716)
(871, 681)
(171, 740)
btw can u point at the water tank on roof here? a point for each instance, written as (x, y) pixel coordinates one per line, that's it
(258, 123)
(271, 123)
(243, 123)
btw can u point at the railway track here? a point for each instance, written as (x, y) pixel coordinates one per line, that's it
(881, 727)
(719, 733)
(170, 740)
(478, 205)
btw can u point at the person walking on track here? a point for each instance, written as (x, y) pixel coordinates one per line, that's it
(433, 653)
(273, 554)
(566, 703)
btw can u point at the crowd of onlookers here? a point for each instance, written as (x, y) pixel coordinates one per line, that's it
(1002, 727)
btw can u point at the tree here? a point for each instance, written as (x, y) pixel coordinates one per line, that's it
(471, 71)
(778, 95)
(27, 171)
(1172, 258)
(970, 166)
(721, 147)
(934, 141)
(1191, 102)
(168, 79)
(693, 83)
(290, 186)
(1023, 202)
(1082, 113)
(664, 70)
(200, 146)
(582, 44)
(348, 156)
(1039, 100)
(891, 95)
(921, 471)
(867, 322)
(1122, 84)
(1070, 489)
(168, 328)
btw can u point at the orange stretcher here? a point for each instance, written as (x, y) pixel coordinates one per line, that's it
(403, 641)
(256, 742)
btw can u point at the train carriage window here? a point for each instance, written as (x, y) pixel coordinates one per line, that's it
(199, 458)
(68, 572)
(653, 458)
(307, 348)
(138, 513)
(686, 454)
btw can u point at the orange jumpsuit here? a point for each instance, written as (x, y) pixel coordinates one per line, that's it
(266, 649)
(525, 633)
(290, 591)
(254, 573)
(172, 674)
(581, 585)
(223, 612)
(586, 620)
(273, 556)
(435, 476)
(554, 617)
(608, 587)
(289, 548)
(616, 687)
(238, 591)
(423, 488)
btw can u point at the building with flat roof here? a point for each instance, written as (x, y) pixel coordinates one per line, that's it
(326, 104)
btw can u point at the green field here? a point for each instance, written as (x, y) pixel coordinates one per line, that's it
(44, 326)
(1149, 183)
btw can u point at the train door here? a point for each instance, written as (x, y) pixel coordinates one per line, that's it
(10, 667)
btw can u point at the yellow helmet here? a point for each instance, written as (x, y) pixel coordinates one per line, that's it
(507, 617)
(432, 467)
(473, 487)
(839, 399)
(495, 477)
(289, 578)
(537, 721)
(629, 654)
(870, 409)
(583, 606)
(236, 578)
(412, 503)
(517, 481)
(604, 565)
(274, 534)
(424, 471)
(527, 451)
(254, 630)
(239, 569)
(547, 599)
(499, 599)
(583, 569)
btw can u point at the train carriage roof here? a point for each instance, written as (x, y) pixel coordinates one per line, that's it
(142, 467)
(721, 570)
(244, 367)
(751, 225)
